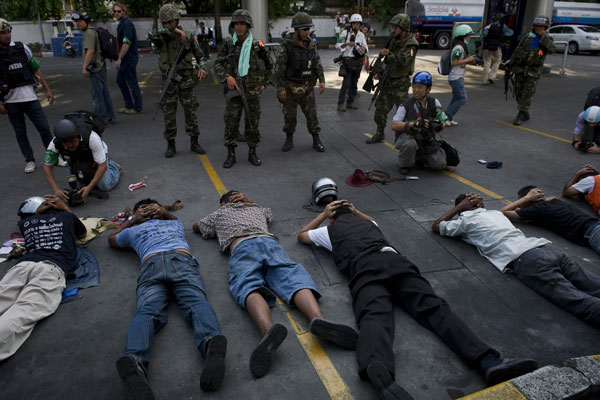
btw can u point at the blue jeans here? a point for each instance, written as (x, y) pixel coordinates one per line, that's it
(349, 85)
(110, 178)
(459, 97)
(101, 99)
(128, 83)
(162, 274)
(16, 116)
(551, 273)
(592, 236)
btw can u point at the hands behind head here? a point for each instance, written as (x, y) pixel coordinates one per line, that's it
(471, 201)
(52, 202)
(331, 208)
(148, 212)
(535, 195)
(586, 169)
(239, 197)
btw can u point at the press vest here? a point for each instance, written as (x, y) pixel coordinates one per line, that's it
(494, 37)
(430, 110)
(593, 198)
(81, 161)
(14, 67)
(300, 62)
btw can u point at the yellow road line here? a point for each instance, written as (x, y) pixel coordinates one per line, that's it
(504, 391)
(333, 382)
(533, 131)
(214, 74)
(143, 83)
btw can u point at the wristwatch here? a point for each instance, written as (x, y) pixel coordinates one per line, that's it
(130, 219)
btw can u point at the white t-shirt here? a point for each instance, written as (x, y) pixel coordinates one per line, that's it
(457, 71)
(97, 146)
(25, 93)
(579, 125)
(320, 237)
(359, 40)
(401, 112)
(586, 185)
(493, 234)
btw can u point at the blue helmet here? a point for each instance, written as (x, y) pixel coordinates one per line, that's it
(423, 77)
(592, 114)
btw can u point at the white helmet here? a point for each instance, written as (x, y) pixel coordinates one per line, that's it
(355, 18)
(30, 205)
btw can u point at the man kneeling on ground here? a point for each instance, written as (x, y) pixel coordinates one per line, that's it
(259, 266)
(379, 277)
(167, 267)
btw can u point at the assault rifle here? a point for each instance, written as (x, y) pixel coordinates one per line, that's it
(240, 84)
(183, 50)
(509, 81)
(377, 68)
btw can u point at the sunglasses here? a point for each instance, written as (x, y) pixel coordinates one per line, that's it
(305, 29)
(117, 11)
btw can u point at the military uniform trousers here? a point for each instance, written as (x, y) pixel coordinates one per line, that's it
(394, 93)
(183, 91)
(410, 152)
(303, 95)
(233, 114)
(525, 85)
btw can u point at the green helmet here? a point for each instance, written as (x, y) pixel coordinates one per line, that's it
(4, 25)
(401, 20)
(463, 30)
(302, 20)
(168, 12)
(241, 15)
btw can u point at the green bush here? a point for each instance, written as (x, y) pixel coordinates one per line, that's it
(35, 47)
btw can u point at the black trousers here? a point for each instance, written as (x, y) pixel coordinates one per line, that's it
(373, 309)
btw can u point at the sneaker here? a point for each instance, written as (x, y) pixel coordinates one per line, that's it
(341, 107)
(351, 106)
(447, 123)
(134, 378)
(214, 367)
(509, 369)
(263, 354)
(384, 384)
(124, 110)
(112, 121)
(342, 335)
(30, 167)
(453, 123)
(131, 111)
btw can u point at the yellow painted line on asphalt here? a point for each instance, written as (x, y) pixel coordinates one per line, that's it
(331, 379)
(143, 83)
(456, 176)
(214, 74)
(533, 131)
(504, 391)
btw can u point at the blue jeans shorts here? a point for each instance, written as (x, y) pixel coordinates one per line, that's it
(261, 264)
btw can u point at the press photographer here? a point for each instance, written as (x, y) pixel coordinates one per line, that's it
(90, 172)
(353, 45)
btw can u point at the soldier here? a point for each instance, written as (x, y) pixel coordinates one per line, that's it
(254, 68)
(400, 64)
(527, 62)
(170, 40)
(298, 68)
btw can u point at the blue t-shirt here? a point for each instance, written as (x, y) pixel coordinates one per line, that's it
(126, 29)
(154, 236)
(51, 237)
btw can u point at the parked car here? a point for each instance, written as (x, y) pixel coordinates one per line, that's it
(579, 37)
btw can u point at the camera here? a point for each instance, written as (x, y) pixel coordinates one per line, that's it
(353, 38)
(90, 66)
(338, 59)
(74, 197)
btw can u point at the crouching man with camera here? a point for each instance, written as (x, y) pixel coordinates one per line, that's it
(90, 172)
(416, 123)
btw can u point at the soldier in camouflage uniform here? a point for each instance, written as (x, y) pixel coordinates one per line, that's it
(527, 62)
(254, 66)
(169, 40)
(400, 64)
(298, 68)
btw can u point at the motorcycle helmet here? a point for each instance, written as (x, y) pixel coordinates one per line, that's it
(30, 205)
(324, 191)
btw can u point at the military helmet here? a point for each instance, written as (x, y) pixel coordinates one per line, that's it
(81, 14)
(541, 20)
(4, 25)
(498, 16)
(241, 15)
(30, 205)
(463, 30)
(65, 129)
(423, 77)
(302, 20)
(592, 114)
(168, 12)
(401, 20)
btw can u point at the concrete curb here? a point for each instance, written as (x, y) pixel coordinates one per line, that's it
(576, 378)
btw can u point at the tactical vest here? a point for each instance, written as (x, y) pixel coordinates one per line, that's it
(532, 59)
(168, 54)
(81, 161)
(14, 67)
(430, 110)
(351, 239)
(300, 62)
(260, 63)
(494, 37)
(397, 70)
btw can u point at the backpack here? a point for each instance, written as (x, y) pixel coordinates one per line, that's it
(109, 47)
(87, 121)
(445, 64)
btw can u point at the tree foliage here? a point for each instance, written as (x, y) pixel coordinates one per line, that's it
(18, 9)
(384, 10)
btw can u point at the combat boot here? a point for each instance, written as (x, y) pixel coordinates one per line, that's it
(170, 152)
(377, 138)
(317, 145)
(525, 116)
(230, 157)
(289, 142)
(521, 116)
(195, 146)
(253, 158)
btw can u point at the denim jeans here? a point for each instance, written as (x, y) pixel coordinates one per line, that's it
(101, 99)
(110, 178)
(551, 273)
(162, 274)
(128, 83)
(459, 97)
(592, 236)
(16, 116)
(349, 85)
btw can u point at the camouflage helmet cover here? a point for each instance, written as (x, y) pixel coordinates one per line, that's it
(541, 20)
(168, 12)
(401, 20)
(241, 15)
(4, 25)
(302, 20)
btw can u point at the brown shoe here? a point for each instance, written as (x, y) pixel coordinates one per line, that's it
(131, 111)
(124, 110)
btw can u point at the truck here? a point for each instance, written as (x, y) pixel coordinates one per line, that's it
(565, 12)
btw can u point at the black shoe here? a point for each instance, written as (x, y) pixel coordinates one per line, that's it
(195, 146)
(170, 152)
(384, 384)
(490, 81)
(214, 368)
(95, 192)
(289, 142)
(134, 379)
(342, 335)
(377, 138)
(508, 369)
(263, 354)
(241, 138)
(317, 145)
(253, 158)
(351, 106)
(230, 160)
